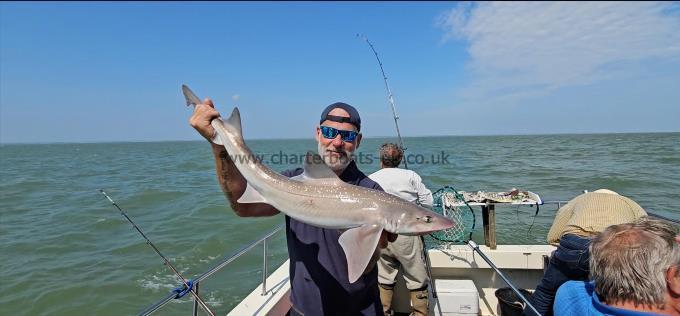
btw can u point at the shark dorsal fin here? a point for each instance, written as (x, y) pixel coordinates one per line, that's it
(234, 121)
(316, 168)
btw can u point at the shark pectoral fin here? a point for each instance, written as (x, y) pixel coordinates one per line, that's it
(359, 244)
(217, 140)
(251, 196)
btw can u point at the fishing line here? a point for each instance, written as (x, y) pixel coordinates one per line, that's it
(533, 220)
(188, 285)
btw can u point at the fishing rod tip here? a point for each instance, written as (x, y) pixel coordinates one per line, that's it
(107, 196)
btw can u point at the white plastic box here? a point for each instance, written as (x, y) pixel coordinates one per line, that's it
(456, 297)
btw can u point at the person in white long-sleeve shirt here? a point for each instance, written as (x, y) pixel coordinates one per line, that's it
(406, 252)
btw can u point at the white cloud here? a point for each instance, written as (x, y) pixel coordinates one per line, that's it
(525, 49)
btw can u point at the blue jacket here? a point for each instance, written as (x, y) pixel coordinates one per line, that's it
(579, 298)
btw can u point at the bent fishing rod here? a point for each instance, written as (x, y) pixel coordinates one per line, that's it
(186, 283)
(389, 94)
(390, 98)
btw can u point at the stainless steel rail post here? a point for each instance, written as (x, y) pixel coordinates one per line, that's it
(264, 267)
(195, 301)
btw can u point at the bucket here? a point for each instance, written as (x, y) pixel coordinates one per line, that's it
(509, 302)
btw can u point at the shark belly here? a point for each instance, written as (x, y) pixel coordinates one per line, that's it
(321, 212)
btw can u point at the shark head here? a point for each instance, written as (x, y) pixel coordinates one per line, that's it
(412, 219)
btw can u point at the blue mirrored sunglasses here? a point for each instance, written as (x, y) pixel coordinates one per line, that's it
(331, 133)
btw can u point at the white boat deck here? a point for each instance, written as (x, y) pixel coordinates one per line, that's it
(523, 264)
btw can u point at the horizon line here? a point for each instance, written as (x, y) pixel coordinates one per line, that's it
(310, 138)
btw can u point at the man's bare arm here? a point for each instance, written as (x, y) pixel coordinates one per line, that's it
(233, 185)
(231, 180)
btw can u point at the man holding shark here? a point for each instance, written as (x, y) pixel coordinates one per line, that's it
(319, 279)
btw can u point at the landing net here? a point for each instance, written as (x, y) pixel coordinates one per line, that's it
(449, 203)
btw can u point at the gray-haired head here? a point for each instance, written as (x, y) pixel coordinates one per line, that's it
(628, 262)
(391, 155)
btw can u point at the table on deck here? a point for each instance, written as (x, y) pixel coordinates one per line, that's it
(489, 217)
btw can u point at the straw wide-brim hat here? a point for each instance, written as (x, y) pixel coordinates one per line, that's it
(605, 191)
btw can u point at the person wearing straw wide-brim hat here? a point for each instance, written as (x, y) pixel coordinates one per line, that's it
(575, 224)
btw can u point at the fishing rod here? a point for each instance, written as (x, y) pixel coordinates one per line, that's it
(188, 284)
(389, 94)
(475, 247)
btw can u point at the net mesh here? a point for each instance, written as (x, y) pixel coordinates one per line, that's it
(449, 203)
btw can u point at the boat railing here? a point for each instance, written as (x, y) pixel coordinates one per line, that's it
(649, 211)
(489, 218)
(197, 281)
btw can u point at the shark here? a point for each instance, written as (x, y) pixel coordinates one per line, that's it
(318, 197)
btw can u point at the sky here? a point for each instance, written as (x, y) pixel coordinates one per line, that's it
(101, 72)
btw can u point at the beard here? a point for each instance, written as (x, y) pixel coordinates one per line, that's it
(336, 163)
